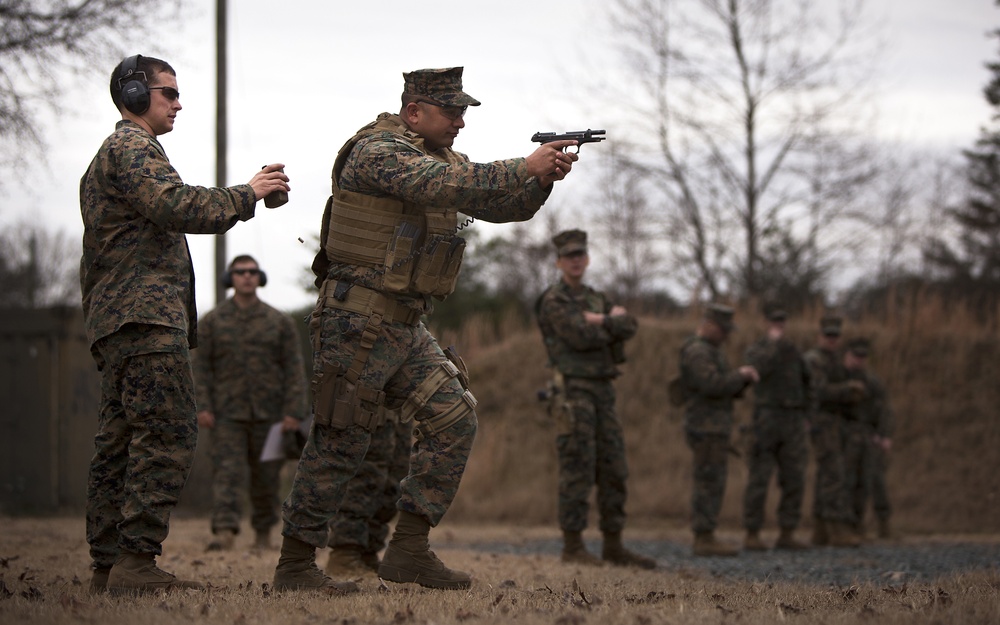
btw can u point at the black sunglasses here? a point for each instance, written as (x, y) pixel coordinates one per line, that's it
(243, 272)
(169, 93)
(451, 111)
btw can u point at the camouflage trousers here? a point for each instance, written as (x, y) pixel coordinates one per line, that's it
(401, 358)
(778, 441)
(591, 452)
(236, 447)
(711, 462)
(857, 441)
(370, 502)
(145, 442)
(878, 487)
(830, 497)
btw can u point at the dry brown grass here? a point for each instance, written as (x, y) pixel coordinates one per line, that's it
(44, 580)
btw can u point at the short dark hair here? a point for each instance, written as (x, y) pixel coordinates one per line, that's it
(149, 65)
(243, 258)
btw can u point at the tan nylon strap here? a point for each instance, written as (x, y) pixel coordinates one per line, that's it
(369, 236)
(451, 416)
(423, 393)
(370, 421)
(366, 216)
(368, 337)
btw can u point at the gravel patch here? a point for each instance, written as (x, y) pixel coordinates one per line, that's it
(883, 564)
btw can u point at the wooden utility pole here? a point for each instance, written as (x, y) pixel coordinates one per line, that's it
(220, 137)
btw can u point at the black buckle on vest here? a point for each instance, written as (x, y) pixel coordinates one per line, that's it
(340, 292)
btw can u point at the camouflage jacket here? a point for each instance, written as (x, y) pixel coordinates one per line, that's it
(874, 410)
(136, 267)
(388, 164)
(576, 348)
(711, 386)
(248, 365)
(784, 375)
(830, 379)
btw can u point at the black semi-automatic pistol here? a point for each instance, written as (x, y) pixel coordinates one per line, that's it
(580, 136)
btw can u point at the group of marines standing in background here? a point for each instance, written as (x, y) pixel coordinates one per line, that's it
(826, 395)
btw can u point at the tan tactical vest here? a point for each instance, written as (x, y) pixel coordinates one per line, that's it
(414, 246)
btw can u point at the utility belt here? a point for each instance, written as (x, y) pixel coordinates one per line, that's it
(354, 298)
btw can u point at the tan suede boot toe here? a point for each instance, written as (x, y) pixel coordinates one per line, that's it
(297, 571)
(137, 573)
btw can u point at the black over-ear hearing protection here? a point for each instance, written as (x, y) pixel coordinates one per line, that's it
(227, 279)
(134, 86)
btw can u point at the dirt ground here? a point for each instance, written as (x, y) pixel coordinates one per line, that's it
(518, 577)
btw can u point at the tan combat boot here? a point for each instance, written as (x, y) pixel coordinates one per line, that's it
(843, 535)
(137, 574)
(752, 542)
(820, 537)
(349, 561)
(786, 540)
(408, 558)
(705, 544)
(99, 581)
(297, 570)
(575, 552)
(223, 541)
(615, 552)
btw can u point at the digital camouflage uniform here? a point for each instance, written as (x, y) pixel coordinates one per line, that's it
(711, 386)
(137, 283)
(782, 402)
(877, 410)
(362, 522)
(590, 442)
(863, 459)
(835, 399)
(394, 164)
(249, 373)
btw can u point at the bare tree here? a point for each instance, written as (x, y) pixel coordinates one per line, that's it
(748, 105)
(46, 42)
(899, 213)
(630, 228)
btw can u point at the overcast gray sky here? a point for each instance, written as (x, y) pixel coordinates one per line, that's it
(305, 76)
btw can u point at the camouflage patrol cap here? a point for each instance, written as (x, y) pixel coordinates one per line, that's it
(444, 86)
(774, 312)
(569, 241)
(830, 325)
(860, 347)
(721, 315)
